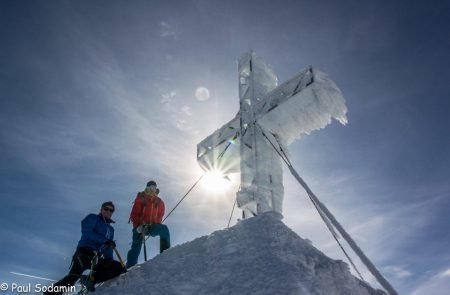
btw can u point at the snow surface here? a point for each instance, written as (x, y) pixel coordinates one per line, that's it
(260, 255)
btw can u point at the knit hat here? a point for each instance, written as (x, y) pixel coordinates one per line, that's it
(151, 182)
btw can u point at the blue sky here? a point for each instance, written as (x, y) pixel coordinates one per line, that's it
(98, 97)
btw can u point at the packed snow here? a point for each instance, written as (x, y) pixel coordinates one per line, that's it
(260, 255)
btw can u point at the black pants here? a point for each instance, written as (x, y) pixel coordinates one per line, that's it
(106, 268)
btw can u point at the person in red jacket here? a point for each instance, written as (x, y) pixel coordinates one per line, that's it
(146, 216)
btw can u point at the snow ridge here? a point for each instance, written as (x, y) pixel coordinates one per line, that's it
(260, 255)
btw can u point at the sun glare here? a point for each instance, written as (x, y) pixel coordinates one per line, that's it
(215, 182)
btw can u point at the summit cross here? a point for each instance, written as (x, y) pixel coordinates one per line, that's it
(270, 117)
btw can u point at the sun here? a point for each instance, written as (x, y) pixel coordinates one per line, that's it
(215, 181)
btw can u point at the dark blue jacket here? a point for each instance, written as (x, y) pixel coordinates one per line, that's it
(95, 231)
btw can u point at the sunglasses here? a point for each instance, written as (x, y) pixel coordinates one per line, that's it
(108, 209)
(151, 188)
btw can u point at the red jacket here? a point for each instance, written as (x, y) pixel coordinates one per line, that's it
(147, 209)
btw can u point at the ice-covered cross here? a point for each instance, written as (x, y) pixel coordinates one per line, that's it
(269, 119)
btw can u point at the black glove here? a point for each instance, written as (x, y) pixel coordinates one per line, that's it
(110, 243)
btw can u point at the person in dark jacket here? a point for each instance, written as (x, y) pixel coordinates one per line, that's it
(97, 237)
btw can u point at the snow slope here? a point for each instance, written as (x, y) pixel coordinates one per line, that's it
(260, 255)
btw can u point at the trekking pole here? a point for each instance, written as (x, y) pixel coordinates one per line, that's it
(120, 258)
(143, 241)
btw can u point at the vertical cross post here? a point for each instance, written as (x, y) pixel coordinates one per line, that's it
(261, 171)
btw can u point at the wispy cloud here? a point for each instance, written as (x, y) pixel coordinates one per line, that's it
(444, 274)
(178, 115)
(436, 284)
(167, 98)
(399, 271)
(166, 30)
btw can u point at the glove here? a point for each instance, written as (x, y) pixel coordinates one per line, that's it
(143, 227)
(110, 243)
(139, 229)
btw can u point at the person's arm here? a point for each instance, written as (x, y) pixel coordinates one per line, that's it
(87, 229)
(161, 210)
(136, 212)
(108, 251)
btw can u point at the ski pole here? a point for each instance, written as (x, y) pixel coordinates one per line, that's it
(120, 258)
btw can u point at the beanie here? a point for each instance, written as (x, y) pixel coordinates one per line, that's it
(151, 182)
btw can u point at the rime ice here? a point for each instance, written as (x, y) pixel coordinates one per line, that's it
(281, 114)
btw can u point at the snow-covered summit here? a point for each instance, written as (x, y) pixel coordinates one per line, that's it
(260, 255)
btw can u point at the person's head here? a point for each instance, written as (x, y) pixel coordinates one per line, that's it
(107, 209)
(151, 187)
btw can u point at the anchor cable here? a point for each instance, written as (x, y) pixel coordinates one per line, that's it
(383, 282)
(192, 187)
(284, 157)
(232, 210)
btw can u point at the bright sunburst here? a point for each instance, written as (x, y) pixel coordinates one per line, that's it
(215, 181)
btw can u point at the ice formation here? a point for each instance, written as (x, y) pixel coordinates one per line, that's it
(269, 116)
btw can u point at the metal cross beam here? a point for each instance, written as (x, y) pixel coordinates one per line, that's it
(282, 113)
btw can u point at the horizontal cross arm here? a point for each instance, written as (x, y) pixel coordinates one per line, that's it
(301, 105)
(218, 151)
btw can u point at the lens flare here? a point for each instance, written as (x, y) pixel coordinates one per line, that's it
(215, 181)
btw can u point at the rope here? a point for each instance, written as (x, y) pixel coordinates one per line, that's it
(228, 145)
(383, 282)
(335, 236)
(327, 223)
(198, 180)
(288, 162)
(173, 209)
(192, 187)
(184, 197)
(232, 210)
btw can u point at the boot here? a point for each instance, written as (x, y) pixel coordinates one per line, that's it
(163, 245)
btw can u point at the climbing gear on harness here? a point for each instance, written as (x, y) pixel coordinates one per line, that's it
(87, 282)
